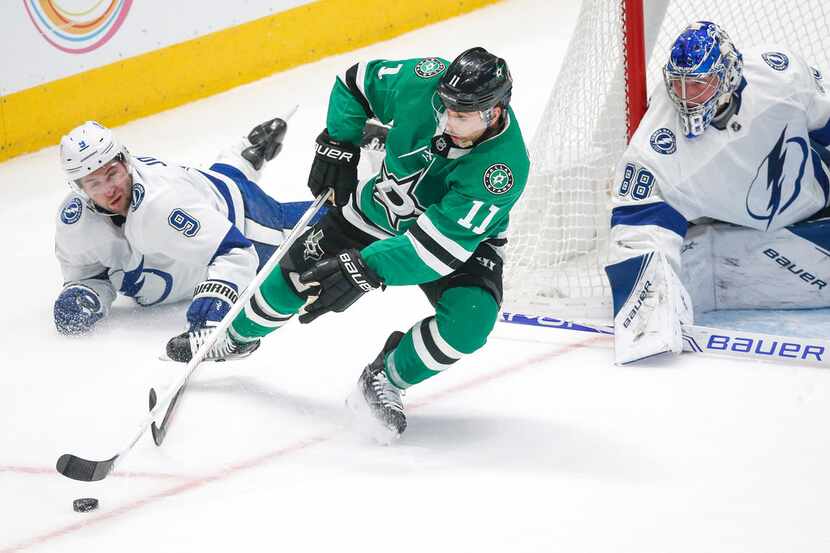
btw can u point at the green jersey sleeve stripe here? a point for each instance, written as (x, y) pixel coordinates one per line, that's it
(426, 242)
(448, 244)
(356, 218)
(428, 258)
(353, 79)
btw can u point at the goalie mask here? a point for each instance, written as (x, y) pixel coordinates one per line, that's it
(703, 71)
(84, 150)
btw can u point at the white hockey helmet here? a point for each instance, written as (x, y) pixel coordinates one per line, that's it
(87, 148)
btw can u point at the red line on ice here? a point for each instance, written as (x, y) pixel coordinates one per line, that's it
(254, 462)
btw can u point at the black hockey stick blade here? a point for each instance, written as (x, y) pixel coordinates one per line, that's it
(82, 469)
(158, 436)
(160, 431)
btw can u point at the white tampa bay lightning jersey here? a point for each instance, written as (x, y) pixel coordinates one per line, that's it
(183, 226)
(765, 167)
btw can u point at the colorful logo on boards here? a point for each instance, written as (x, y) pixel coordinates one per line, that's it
(77, 26)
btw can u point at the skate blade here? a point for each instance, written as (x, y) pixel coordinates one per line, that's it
(366, 423)
(164, 357)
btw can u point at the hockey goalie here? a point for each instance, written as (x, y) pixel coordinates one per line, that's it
(718, 199)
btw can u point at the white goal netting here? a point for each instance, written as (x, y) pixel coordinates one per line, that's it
(559, 230)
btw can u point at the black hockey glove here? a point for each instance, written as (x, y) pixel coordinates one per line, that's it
(337, 282)
(266, 142)
(335, 167)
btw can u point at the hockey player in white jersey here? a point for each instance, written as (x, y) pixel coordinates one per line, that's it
(739, 138)
(162, 233)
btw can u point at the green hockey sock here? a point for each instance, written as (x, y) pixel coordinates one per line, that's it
(269, 308)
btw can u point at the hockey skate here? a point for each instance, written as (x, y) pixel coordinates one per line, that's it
(376, 402)
(183, 347)
(266, 142)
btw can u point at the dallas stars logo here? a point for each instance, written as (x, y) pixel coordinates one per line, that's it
(498, 178)
(397, 196)
(429, 67)
(311, 246)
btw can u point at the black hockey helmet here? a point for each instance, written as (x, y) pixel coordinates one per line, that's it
(476, 81)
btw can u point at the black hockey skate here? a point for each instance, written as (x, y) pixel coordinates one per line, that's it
(266, 142)
(183, 347)
(376, 402)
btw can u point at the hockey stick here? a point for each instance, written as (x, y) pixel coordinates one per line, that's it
(86, 470)
(160, 431)
(713, 341)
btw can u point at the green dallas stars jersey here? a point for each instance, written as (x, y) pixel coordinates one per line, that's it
(429, 210)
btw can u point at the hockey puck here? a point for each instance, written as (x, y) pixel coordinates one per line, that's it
(85, 504)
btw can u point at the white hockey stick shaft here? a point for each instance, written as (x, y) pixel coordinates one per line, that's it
(220, 330)
(714, 341)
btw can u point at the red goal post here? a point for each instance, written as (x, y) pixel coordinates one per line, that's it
(558, 235)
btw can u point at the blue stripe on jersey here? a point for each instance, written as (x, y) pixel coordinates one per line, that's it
(233, 239)
(222, 188)
(264, 252)
(820, 154)
(623, 277)
(262, 208)
(659, 214)
(817, 232)
(822, 135)
(293, 211)
(259, 206)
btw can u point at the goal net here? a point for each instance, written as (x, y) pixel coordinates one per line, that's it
(559, 230)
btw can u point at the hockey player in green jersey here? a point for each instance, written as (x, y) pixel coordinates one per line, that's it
(435, 215)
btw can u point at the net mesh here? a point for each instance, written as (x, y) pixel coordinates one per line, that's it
(559, 230)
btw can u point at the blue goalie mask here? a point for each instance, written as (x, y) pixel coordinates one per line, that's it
(703, 71)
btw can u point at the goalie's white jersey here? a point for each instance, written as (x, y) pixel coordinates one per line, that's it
(183, 226)
(762, 165)
(766, 168)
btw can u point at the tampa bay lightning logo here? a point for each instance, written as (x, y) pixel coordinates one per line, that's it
(774, 189)
(663, 141)
(777, 60)
(72, 211)
(146, 292)
(138, 195)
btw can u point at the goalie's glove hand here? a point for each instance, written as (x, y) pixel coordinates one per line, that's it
(77, 309)
(337, 282)
(335, 167)
(212, 299)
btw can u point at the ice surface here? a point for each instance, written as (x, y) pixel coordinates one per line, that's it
(535, 444)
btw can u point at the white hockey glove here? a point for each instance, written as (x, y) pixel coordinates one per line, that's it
(650, 307)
